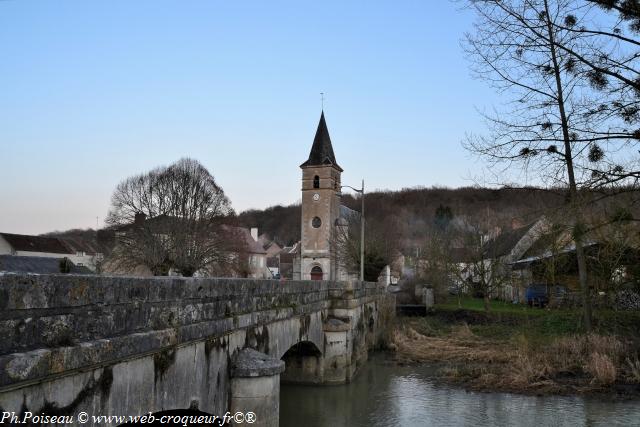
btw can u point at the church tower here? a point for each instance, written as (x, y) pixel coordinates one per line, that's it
(320, 208)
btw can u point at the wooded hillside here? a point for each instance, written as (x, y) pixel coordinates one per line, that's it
(413, 210)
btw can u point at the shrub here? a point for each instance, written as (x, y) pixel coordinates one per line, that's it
(601, 368)
(528, 368)
(575, 352)
(64, 265)
(633, 367)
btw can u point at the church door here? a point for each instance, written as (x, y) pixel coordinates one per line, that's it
(316, 273)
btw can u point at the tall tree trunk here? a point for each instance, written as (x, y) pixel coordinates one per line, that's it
(573, 190)
(584, 284)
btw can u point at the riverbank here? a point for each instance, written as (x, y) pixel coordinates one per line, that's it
(524, 350)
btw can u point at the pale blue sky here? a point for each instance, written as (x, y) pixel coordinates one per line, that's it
(94, 91)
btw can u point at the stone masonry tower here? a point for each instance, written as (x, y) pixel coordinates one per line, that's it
(320, 208)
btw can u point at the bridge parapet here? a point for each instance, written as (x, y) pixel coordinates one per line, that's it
(94, 328)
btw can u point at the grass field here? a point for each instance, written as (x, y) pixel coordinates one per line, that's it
(505, 318)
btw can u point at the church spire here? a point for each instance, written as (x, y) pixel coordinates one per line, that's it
(322, 151)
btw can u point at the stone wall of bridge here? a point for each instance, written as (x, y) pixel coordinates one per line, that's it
(129, 346)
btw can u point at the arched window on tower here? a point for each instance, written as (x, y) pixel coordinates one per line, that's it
(316, 181)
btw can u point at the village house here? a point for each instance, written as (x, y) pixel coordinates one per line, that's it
(255, 253)
(48, 251)
(507, 247)
(268, 245)
(612, 252)
(544, 254)
(273, 250)
(288, 260)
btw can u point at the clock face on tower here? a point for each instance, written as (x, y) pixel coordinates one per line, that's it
(316, 197)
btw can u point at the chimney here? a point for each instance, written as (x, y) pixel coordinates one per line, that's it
(254, 233)
(139, 218)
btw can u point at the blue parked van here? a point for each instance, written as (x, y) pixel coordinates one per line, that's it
(536, 295)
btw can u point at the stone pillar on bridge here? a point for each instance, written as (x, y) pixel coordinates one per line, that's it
(337, 357)
(255, 387)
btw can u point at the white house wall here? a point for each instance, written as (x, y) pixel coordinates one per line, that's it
(85, 260)
(5, 247)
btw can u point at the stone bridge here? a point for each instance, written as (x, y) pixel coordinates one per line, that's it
(109, 345)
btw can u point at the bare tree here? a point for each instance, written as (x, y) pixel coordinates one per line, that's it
(171, 218)
(553, 127)
(483, 268)
(438, 264)
(381, 244)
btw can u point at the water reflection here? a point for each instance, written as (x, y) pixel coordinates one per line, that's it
(384, 394)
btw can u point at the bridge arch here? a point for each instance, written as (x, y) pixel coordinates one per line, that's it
(303, 364)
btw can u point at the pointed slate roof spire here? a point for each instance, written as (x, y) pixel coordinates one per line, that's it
(321, 151)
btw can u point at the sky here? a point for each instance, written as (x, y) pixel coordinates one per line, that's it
(92, 92)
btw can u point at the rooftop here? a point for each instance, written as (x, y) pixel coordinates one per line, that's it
(25, 243)
(322, 151)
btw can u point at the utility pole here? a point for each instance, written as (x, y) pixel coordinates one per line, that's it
(362, 235)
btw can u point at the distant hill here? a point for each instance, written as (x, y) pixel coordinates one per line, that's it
(281, 223)
(414, 210)
(88, 234)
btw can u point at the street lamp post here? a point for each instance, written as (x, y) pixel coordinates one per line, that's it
(361, 191)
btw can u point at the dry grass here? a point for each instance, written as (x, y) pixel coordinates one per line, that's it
(570, 363)
(527, 369)
(633, 370)
(575, 351)
(601, 368)
(459, 346)
(596, 355)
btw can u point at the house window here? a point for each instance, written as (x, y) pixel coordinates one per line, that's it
(316, 181)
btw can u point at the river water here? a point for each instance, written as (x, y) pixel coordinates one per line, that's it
(384, 394)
